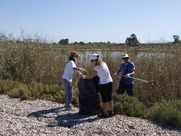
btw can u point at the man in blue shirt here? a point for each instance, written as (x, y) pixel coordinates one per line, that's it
(127, 68)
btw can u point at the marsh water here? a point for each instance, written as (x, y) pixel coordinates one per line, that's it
(84, 57)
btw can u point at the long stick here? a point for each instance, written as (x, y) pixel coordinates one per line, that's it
(139, 79)
(142, 80)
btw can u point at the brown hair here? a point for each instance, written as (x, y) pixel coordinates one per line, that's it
(72, 56)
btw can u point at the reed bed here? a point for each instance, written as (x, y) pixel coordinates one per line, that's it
(30, 61)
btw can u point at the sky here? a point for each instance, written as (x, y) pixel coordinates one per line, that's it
(91, 20)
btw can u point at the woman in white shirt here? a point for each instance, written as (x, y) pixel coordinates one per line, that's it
(105, 87)
(67, 76)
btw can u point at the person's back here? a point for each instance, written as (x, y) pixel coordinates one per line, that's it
(103, 73)
(105, 87)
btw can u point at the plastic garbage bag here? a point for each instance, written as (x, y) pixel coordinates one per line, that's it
(89, 100)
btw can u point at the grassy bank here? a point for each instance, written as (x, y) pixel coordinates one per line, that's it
(32, 70)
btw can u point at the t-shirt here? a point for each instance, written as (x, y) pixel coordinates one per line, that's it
(103, 73)
(68, 71)
(125, 69)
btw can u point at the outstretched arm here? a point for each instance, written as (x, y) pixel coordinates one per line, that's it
(93, 73)
(117, 73)
(79, 69)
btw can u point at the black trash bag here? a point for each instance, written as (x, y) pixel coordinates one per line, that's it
(89, 100)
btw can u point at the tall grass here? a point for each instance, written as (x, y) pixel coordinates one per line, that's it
(28, 61)
(33, 70)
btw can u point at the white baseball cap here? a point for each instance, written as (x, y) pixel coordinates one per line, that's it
(94, 56)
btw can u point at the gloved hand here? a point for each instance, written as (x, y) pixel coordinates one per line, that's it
(83, 76)
(79, 73)
(82, 69)
(127, 75)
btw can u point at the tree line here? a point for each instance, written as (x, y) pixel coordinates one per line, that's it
(132, 40)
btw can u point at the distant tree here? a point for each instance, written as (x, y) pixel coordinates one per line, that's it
(64, 41)
(75, 43)
(128, 40)
(176, 39)
(132, 40)
(81, 43)
(54, 43)
(3, 37)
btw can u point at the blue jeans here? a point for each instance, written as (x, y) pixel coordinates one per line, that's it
(68, 93)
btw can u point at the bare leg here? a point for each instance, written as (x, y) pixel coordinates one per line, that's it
(105, 105)
(110, 104)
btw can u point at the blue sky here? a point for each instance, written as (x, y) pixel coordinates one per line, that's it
(91, 20)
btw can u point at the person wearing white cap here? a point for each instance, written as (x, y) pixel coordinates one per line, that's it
(127, 68)
(67, 76)
(105, 86)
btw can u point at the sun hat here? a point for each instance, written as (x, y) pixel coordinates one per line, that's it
(125, 56)
(94, 56)
(74, 53)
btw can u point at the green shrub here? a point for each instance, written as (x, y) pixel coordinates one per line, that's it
(33, 90)
(6, 85)
(167, 112)
(59, 97)
(36, 89)
(75, 99)
(21, 92)
(130, 106)
(54, 93)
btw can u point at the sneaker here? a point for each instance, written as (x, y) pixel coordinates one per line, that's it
(110, 114)
(103, 115)
(69, 109)
(68, 106)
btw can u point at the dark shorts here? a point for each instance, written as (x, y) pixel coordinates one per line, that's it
(125, 88)
(106, 92)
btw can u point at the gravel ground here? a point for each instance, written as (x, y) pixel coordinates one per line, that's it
(41, 117)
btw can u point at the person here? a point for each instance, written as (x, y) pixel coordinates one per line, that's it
(105, 84)
(128, 71)
(69, 70)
